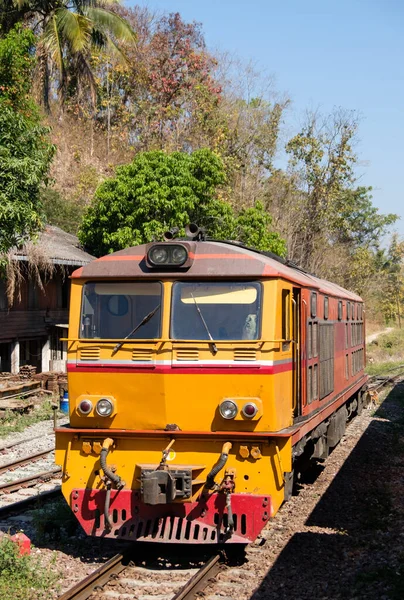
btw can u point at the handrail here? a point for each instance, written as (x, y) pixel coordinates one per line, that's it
(171, 340)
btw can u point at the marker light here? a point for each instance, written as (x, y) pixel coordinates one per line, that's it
(249, 410)
(85, 407)
(104, 407)
(228, 409)
(167, 255)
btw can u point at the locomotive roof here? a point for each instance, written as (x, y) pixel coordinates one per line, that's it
(210, 259)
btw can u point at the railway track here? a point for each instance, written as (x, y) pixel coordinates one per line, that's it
(379, 381)
(6, 447)
(30, 481)
(13, 497)
(26, 460)
(124, 575)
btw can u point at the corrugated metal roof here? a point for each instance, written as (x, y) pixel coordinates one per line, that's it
(59, 247)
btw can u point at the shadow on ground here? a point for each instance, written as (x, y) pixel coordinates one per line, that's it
(363, 557)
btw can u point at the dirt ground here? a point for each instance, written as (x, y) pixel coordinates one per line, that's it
(342, 536)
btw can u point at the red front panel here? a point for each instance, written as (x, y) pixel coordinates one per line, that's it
(203, 522)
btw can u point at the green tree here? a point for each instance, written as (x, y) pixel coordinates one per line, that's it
(253, 228)
(322, 164)
(25, 152)
(68, 30)
(356, 221)
(158, 191)
(393, 297)
(61, 211)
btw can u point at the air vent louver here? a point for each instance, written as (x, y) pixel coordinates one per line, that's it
(187, 354)
(92, 353)
(244, 354)
(142, 355)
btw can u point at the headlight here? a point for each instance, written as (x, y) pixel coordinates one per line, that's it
(158, 255)
(249, 410)
(167, 255)
(228, 409)
(85, 407)
(104, 407)
(179, 255)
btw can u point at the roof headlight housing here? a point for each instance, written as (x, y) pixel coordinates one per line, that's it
(228, 409)
(104, 407)
(167, 255)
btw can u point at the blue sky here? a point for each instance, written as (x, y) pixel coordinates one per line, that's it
(324, 54)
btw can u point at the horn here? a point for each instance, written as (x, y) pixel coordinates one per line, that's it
(192, 231)
(171, 234)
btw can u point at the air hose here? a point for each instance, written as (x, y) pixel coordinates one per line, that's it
(115, 479)
(107, 519)
(210, 480)
(230, 522)
(112, 479)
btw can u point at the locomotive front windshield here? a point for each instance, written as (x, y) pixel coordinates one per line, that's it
(119, 310)
(218, 311)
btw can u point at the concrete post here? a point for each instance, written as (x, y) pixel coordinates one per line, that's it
(15, 356)
(46, 355)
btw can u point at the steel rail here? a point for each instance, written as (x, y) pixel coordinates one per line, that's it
(25, 460)
(22, 505)
(96, 579)
(13, 486)
(198, 582)
(9, 446)
(118, 563)
(376, 382)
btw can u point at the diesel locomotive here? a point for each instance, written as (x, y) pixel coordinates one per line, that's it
(202, 375)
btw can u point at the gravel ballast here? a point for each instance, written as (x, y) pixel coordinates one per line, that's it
(341, 537)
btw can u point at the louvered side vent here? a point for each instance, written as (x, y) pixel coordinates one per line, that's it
(187, 354)
(244, 354)
(142, 355)
(92, 353)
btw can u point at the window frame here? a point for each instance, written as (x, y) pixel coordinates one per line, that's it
(260, 297)
(326, 307)
(118, 282)
(313, 305)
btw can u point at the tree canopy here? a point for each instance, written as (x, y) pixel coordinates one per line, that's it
(25, 152)
(154, 130)
(158, 191)
(68, 29)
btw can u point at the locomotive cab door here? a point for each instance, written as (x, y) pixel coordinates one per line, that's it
(296, 353)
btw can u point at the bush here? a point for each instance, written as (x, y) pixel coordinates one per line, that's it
(23, 577)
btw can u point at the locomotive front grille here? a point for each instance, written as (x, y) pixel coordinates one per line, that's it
(204, 521)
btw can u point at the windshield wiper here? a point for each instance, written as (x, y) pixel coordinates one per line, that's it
(145, 320)
(214, 347)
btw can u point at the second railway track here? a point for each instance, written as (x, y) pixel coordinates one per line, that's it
(34, 476)
(25, 460)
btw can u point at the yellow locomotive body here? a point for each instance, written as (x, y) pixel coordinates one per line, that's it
(188, 390)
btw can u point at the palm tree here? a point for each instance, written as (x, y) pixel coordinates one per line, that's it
(68, 30)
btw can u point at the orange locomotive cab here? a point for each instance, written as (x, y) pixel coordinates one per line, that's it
(188, 374)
